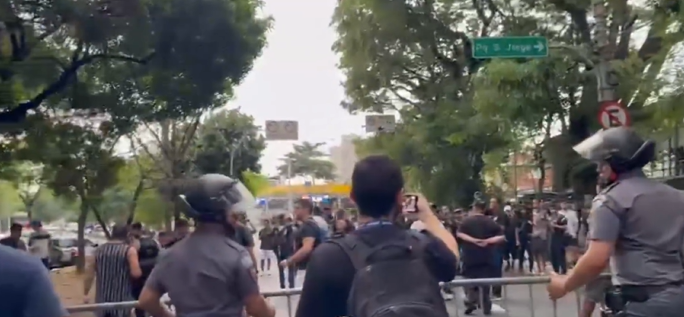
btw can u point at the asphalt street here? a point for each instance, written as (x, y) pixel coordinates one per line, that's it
(515, 303)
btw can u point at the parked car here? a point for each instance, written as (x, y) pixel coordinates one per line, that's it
(64, 250)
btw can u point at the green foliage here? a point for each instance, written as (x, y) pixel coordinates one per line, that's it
(255, 182)
(305, 160)
(228, 143)
(414, 58)
(169, 62)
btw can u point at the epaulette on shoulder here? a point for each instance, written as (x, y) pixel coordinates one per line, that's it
(610, 187)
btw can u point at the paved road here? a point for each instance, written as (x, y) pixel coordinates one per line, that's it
(516, 302)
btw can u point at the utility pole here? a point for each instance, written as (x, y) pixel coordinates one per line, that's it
(290, 198)
(605, 75)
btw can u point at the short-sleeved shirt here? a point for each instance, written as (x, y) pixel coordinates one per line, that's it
(645, 220)
(15, 243)
(308, 229)
(25, 287)
(267, 238)
(479, 227)
(330, 272)
(39, 244)
(206, 274)
(540, 225)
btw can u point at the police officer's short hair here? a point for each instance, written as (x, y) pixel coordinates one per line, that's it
(376, 182)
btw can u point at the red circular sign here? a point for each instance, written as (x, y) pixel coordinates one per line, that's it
(613, 114)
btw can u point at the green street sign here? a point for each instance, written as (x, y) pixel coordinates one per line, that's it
(510, 47)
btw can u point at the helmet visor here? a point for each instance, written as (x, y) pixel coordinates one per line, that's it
(244, 201)
(592, 148)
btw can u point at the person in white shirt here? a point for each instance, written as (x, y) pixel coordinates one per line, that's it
(39, 243)
(572, 229)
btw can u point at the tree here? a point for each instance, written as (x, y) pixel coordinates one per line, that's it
(45, 46)
(408, 58)
(27, 180)
(415, 59)
(228, 143)
(562, 88)
(172, 151)
(305, 160)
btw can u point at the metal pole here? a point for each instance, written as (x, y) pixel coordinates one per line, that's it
(605, 76)
(290, 200)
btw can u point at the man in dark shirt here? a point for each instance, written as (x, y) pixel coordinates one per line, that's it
(14, 239)
(243, 236)
(377, 189)
(267, 239)
(307, 236)
(284, 248)
(481, 242)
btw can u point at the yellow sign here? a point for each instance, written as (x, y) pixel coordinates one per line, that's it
(300, 190)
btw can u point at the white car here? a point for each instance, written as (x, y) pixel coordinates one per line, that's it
(64, 250)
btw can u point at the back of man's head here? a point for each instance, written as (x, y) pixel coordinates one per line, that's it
(377, 184)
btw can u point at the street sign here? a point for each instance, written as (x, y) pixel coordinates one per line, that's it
(282, 130)
(380, 123)
(510, 47)
(613, 114)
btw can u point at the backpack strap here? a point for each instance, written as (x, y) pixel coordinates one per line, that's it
(357, 250)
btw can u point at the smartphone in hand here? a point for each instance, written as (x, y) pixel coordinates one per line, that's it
(410, 204)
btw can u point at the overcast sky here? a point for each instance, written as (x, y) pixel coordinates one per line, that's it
(296, 78)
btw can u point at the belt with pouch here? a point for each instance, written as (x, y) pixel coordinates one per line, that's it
(641, 293)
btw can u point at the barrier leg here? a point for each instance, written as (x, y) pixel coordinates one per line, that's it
(529, 288)
(289, 305)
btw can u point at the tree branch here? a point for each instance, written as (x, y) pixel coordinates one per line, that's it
(18, 114)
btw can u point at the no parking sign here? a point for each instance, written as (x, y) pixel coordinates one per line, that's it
(613, 114)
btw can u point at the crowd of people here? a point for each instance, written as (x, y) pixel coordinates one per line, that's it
(389, 259)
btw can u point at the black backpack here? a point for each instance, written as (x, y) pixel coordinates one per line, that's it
(392, 279)
(147, 254)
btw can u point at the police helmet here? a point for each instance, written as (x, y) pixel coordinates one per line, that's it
(211, 195)
(620, 147)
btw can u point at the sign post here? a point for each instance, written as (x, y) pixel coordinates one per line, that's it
(510, 47)
(613, 114)
(284, 131)
(380, 123)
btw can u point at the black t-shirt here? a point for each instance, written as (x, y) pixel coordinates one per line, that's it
(479, 227)
(267, 237)
(524, 225)
(308, 229)
(559, 233)
(330, 272)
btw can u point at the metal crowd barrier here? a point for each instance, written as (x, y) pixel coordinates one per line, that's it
(510, 305)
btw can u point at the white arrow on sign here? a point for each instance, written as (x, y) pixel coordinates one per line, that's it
(539, 46)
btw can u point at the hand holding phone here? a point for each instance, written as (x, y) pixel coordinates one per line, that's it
(410, 205)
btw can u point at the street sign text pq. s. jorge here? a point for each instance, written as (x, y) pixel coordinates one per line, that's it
(282, 130)
(510, 47)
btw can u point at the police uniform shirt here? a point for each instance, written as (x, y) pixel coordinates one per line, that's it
(645, 220)
(206, 274)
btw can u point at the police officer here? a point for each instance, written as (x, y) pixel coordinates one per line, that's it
(637, 224)
(208, 274)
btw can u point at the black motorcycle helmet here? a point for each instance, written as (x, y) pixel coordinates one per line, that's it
(620, 147)
(211, 195)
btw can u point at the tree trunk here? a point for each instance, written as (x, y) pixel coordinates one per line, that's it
(82, 218)
(134, 201)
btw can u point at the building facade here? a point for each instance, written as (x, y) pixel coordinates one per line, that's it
(343, 156)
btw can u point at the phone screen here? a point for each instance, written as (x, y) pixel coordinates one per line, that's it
(410, 204)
